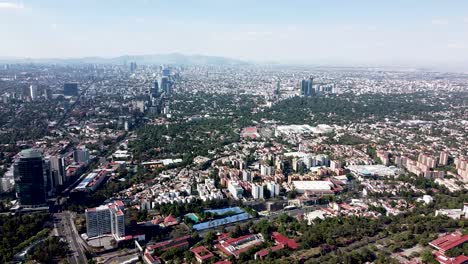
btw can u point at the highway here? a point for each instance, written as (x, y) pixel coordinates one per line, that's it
(64, 226)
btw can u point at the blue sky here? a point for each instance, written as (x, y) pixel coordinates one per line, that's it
(410, 32)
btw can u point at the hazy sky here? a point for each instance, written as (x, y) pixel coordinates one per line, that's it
(410, 32)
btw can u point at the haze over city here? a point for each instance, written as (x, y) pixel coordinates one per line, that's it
(390, 33)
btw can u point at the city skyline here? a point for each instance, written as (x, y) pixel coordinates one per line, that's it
(302, 32)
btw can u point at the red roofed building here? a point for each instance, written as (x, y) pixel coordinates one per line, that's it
(281, 242)
(223, 262)
(148, 259)
(266, 251)
(462, 259)
(447, 242)
(202, 254)
(180, 242)
(280, 239)
(250, 132)
(170, 221)
(236, 246)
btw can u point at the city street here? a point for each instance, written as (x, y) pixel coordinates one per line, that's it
(65, 230)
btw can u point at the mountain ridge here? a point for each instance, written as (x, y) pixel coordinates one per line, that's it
(163, 58)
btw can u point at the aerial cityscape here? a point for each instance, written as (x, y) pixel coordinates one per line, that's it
(123, 152)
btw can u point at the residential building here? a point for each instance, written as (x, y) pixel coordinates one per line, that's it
(257, 191)
(105, 220)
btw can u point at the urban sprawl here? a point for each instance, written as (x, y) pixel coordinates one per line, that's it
(232, 164)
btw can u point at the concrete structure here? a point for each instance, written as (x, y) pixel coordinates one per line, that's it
(81, 155)
(92, 181)
(257, 191)
(106, 219)
(316, 186)
(33, 92)
(235, 189)
(273, 187)
(443, 158)
(235, 246)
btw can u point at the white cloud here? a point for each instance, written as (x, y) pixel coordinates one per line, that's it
(439, 22)
(10, 6)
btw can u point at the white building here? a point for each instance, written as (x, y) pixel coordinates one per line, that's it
(266, 170)
(235, 189)
(246, 176)
(106, 219)
(273, 187)
(316, 186)
(257, 191)
(33, 92)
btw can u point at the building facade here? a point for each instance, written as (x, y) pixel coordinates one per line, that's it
(30, 178)
(106, 220)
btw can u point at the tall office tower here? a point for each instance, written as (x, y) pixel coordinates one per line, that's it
(307, 87)
(30, 179)
(166, 85)
(278, 87)
(166, 72)
(133, 66)
(154, 91)
(57, 168)
(443, 159)
(106, 219)
(81, 155)
(70, 89)
(51, 183)
(33, 92)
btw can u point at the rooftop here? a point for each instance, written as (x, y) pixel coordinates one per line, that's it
(449, 241)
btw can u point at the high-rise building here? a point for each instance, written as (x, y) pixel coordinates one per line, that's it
(235, 189)
(166, 85)
(81, 155)
(154, 91)
(30, 178)
(443, 158)
(165, 72)
(307, 88)
(246, 176)
(106, 219)
(273, 187)
(70, 89)
(33, 92)
(133, 66)
(257, 191)
(57, 169)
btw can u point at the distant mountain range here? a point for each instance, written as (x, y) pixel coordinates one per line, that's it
(171, 58)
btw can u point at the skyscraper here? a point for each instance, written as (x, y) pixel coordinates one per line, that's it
(30, 179)
(33, 92)
(133, 66)
(70, 89)
(106, 219)
(154, 91)
(81, 155)
(166, 85)
(307, 87)
(57, 167)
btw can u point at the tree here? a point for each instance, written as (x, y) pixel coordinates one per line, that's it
(427, 257)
